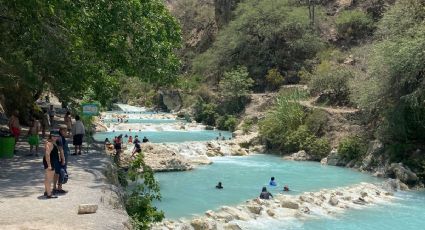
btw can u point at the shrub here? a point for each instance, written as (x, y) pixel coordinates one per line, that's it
(227, 122)
(332, 82)
(303, 139)
(300, 139)
(206, 113)
(316, 122)
(319, 148)
(352, 148)
(353, 24)
(285, 117)
(235, 83)
(247, 125)
(274, 79)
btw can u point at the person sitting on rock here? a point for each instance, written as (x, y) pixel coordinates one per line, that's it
(286, 188)
(265, 194)
(272, 182)
(136, 149)
(219, 186)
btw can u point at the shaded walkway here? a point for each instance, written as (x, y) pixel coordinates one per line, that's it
(23, 206)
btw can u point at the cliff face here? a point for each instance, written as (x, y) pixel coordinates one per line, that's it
(223, 11)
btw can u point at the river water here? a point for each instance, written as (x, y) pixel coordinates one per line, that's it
(194, 192)
(189, 193)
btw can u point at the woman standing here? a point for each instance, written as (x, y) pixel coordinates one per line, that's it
(49, 161)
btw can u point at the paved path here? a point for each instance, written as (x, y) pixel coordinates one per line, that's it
(23, 206)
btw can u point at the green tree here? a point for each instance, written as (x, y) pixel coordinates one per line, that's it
(73, 47)
(235, 83)
(263, 34)
(394, 89)
(332, 80)
(144, 190)
(274, 79)
(234, 88)
(353, 25)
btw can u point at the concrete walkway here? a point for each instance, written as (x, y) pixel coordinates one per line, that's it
(23, 206)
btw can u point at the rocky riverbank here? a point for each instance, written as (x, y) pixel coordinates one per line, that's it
(184, 156)
(326, 202)
(375, 161)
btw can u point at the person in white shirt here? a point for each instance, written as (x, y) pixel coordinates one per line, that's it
(78, 132)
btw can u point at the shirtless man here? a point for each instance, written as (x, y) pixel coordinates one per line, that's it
(33, 138)
(14, 126)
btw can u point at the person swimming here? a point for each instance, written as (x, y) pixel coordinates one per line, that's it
(272, 182)
(219, 186)
(265, 194)
(286, 188)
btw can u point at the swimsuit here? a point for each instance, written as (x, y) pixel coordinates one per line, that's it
(15, 132)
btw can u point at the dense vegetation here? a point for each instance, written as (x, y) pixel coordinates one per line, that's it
(82, 48)
(372, 63)
(264, 35)
(87, 50)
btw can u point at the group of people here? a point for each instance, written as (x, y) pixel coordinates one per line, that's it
(118, 141)
(264, 193)
(56, 146)
(55, 163)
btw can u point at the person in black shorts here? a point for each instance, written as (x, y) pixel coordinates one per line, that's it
(50, 161)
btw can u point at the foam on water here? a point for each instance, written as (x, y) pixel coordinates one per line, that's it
(143, 121)
(166, 136)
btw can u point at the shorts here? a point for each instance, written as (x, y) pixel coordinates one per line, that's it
(33, 140)
(78, 139)
(57, 167)
(15, 132)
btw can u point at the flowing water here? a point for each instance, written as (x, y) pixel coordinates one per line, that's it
(194, 192)
(144, 121)
(407, 212)
(167, 136)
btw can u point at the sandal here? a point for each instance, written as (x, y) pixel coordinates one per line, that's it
(51, 197)
(60, 191)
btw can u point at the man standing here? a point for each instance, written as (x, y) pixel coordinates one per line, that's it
(15, 126)
(58, 163)
(52, 115)
(78, 131)
(45, 123)
(64, 153)
(33, 138)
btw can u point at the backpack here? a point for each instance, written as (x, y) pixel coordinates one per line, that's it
(63, 176)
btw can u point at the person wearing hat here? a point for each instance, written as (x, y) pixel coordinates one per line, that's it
(62, 143)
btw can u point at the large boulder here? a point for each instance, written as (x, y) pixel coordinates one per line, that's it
(298, 156)
(170, 100)
(375, 148)
(203, 224)
(403, 173)
(333, 201)
(236, 213)
(289, 204)
(256, 209)
(335, 159)
(160, 158)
